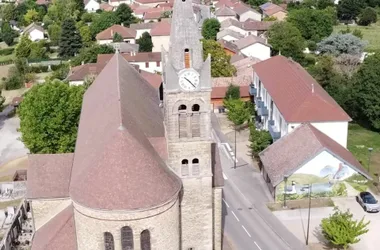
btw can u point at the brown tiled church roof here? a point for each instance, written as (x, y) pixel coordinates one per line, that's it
(115, 166)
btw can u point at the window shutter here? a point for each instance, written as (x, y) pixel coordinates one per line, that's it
(195, 169)
(195, 125)
(182, 125)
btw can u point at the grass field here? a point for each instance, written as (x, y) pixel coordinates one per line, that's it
(370, 34)
(359, 140)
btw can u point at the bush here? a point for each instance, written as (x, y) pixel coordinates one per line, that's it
(311, 45)
(15, 80)
(367, 16)
(6, 52)
(39, 69)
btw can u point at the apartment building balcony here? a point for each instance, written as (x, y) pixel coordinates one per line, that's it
(257, 101)
(252, 90)
(262, 109)
(274, 132)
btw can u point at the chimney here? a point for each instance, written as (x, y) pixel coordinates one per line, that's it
(187, 58)
(122, 24)
(312, 88)
(82, 62)
(111, 32)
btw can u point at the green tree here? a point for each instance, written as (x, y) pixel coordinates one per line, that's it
(237, 111)
(31, 16)
(23, 48)
(233, 92)
(8, 34)
(259, 140)
(85, 33)
(366, 91)
(349, 9)
(338, 44)
(124, 15)
(71, 41)
(90, 54)
(323, 4)
(37, 50)
(117, 38)
(220, 61)
(8, 12)
(49, 117)
(103, 21)
(2, 100)
(60, 10)
(358, 33)
(367, 16)
(342, 230)
(313, 24)
(54, 31)
(255, 3)
(210, 28)
(145, 42)
(286, 39)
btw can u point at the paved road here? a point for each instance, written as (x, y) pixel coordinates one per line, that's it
(248, 223)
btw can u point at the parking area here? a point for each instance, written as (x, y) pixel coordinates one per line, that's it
(296, 221)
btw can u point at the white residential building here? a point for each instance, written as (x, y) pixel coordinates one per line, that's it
(254, 46)
(91, 5)
(286, 96)
(34, 32)
(160, 36)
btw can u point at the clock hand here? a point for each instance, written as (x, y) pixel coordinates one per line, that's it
(189, 82)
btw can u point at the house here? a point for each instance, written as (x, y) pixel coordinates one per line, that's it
(116, 3)
(150, 3)
(123, 47)
(224, 13)
(155, 15)
(221, 3)
(229, 47)
(140, 10)
(257, 28)
(236, 58)
(273, 10)
(229, 35)
(160, 36)
(235, 25)
(141, 28)
(307, 156)
(147, 61)
(286, 96)
(14, 25)
(106, 36)
(106, 7)
(34, 32)
(244, 65)
(254, 46)
(91, 5)
(245, 12)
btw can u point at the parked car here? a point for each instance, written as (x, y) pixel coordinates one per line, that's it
(368, 202)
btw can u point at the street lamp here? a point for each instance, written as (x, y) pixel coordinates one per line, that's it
(285, 187)
(308, 217)
(369, 158)
(235, 150)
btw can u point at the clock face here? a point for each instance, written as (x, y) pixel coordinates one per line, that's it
(189, 80)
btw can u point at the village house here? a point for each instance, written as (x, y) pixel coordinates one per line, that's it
(225, 13)
(141, 28)
(229, 35)
(254, 46)
(34, 32)
(155, 15)
(234, 25)
(91, 5)
(106, 36)
(229, 47)
(116, 3)
(249, 27)
(160, 36)
(246, 12)
(150, 3)
(273, 10)
(286, 96)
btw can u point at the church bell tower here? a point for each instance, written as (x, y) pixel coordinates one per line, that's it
(187, 108)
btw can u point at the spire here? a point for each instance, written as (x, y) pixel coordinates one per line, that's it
(185, 37)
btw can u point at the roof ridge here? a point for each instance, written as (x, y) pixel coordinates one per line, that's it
(311, 128)
(118, 89)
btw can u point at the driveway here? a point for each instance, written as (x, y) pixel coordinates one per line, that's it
(11, 146)
(296, 221)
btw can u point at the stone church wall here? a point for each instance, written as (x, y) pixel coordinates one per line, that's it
(218, 218)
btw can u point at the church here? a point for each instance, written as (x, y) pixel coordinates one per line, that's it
(145, 174)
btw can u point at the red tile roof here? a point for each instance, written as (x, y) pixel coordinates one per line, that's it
(220, 92)
(107, 34)
(150, 1)
(154, 79)
(296, 94)
(295, 149)
(152, 15)
(79, 73)
(115, 165)
(250, 40)
(106, 7)
(257, 25)
(138, 57)
(161, 29)
(49, 175)
(58, 233)
(240, 80)
(225, 11)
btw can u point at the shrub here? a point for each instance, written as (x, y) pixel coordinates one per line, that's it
(15, 80)
(6, 52)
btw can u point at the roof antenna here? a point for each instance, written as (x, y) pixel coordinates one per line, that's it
(312, 88)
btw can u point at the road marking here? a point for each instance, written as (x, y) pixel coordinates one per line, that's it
(257, 245)
(226, 203)
(237, 219)
(225, 176)
(246, 231)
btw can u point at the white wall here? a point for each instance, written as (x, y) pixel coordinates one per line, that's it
(76, 83)
(326, 164)
(104, 41)
(338, 131)
(241, 31)
(159, 41)
(92, 6)
(152, 66)
(222, 18)
(115, 4)
(35, 35)
(229, 38)
(257, 50)
(250, 14)
(140, 32)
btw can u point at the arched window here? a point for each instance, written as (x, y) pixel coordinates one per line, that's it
(195, 171)
(185, 167)
(145, 240)
(182, 121)
(195, 121)
(187, 58)
(108, 241)
(126, 238)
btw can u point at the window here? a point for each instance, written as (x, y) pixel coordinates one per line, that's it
(195, 121)
(182, 121)
(195, 167)
(126, 238)
(187, 58)
(185, 167)
(158, 64)
(146, 64)
(108, 241)
(145, 240)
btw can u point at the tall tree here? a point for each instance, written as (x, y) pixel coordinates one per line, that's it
(237, 111)
(145, 42)
(220, 61)
(85, 33)
(49, 117)
(338, 44)
(210, 28)
(23, 48)
(367, 16)
(233, 92)
(38, 50)
(349, 9)
(117, 38)
(323, 4)
(124, 15)
(259, 140)
(90, 54)
(255, 3)
(8, 34)
(31, 16)
(286, 39)
(54, 31)
(71, 41)
(103, 21)
(313, 24)
(8, 12)
(366, 91)
(342, 230)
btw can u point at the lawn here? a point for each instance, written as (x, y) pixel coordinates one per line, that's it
(297, 204)
(7, 58)
(359, 140)
(370, 34)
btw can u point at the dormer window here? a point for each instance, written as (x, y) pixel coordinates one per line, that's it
(187, 58)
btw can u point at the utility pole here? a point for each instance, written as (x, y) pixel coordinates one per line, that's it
(308, 217)
(369, 158)
(235, 150)
(285, 187)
